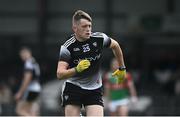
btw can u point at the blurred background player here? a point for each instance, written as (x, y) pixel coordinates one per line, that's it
(118, 94)
(30, 87)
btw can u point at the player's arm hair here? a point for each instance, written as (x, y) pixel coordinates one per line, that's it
(26, 80)
(63, 72)
(117, 52)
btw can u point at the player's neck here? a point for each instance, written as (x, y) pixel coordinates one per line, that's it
(80, 39)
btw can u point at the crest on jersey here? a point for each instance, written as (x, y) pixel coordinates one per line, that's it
(66, 97)
(95, 44)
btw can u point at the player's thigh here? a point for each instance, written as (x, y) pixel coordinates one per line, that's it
(72, 110)
(22, 105)
(122, 110)
(35, 108)
(94, 110)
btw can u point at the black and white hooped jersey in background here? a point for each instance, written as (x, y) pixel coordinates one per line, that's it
(32, 66)
(73, 51)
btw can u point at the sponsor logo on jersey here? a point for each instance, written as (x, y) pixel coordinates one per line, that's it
(76, 49)
(93, 58)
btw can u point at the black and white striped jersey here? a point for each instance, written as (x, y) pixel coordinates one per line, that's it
(73, 51)
(32, 66)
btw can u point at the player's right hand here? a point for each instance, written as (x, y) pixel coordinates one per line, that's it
(83, 64)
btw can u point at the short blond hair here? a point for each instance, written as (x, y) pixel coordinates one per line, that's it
(79, 14)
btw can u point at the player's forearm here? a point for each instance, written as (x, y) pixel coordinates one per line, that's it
(64, 74)
(132, 89)
(24, 85)
(117, 52)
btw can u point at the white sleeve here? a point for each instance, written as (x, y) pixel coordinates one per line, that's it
(28, 65)
(106, 41)
(64, 54)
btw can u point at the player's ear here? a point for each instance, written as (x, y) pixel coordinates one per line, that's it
(74, 28)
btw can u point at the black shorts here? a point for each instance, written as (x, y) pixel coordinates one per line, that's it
(75, 95)
(30, 96)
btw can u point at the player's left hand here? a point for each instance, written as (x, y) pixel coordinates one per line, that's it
(134, 99)
(18, 96)
(120, 74)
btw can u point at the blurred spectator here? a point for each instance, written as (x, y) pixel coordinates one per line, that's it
(13, 84)
(177, 87)
(176, 78)
(162, 75)
(118, 94)
(5, 94)
(165, 74)
(30, 88)
(5, 97)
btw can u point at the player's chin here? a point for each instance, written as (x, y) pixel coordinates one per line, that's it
(86, 37)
